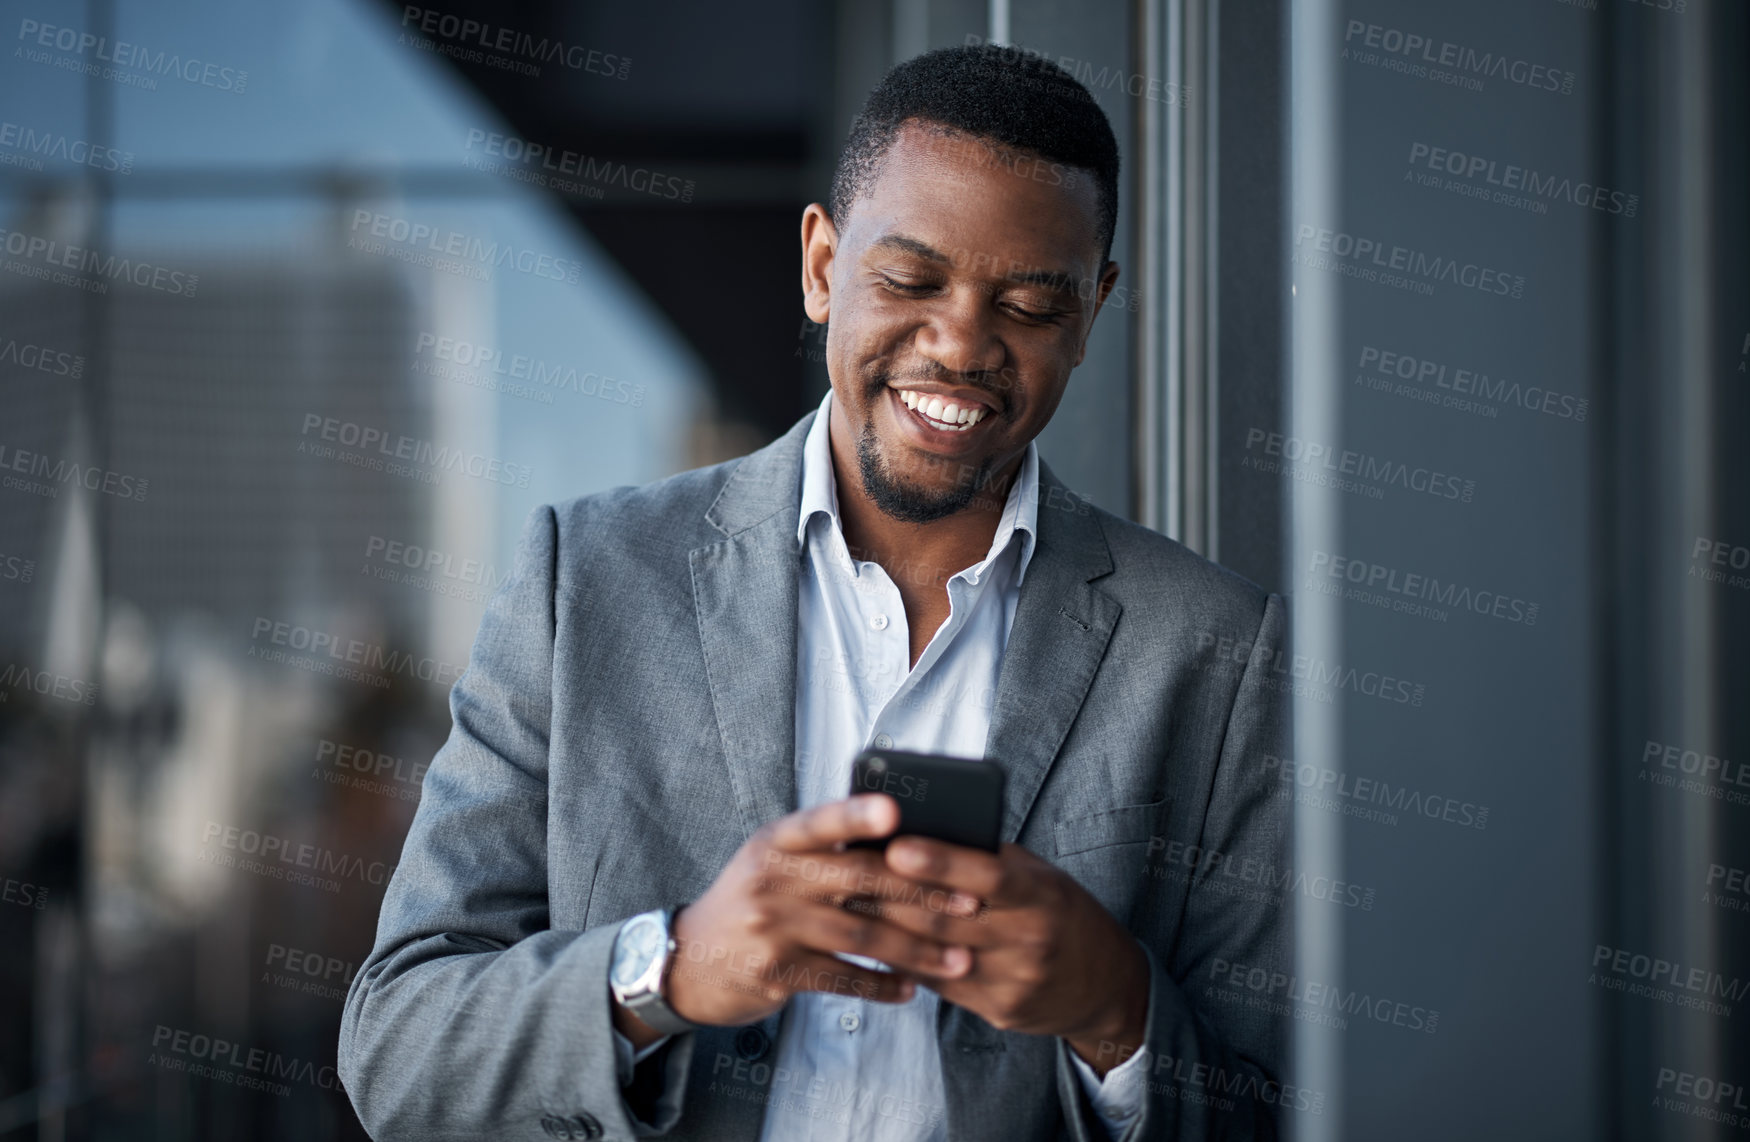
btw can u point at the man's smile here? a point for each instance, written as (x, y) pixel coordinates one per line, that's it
(940, 419)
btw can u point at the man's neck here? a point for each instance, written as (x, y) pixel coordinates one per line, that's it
(916, 555)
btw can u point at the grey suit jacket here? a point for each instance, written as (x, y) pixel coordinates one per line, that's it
(626, 721)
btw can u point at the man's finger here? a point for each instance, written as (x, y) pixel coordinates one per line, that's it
(858, 933)
(835, 878)
(986, 876)
(866, 816)
(935, 924)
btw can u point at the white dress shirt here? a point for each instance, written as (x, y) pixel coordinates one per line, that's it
(846, 1069)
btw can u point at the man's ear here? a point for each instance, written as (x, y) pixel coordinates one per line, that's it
(820, 241)
(1108, 279)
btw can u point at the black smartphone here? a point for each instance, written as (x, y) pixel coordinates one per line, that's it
(954, 799)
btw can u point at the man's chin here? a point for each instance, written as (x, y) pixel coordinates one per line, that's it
(907, 499)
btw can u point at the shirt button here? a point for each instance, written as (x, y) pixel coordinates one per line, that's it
(751, 1043)
(850, 1021)
(882, 741)
(879, 622)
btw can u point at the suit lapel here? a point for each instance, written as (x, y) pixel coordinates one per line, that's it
(1062, 625)
(745, 593)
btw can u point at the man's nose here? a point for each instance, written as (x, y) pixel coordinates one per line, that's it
(961, 336)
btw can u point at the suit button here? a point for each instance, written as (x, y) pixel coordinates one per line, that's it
(751, 1043)
(585, 1126)
(551, 1126)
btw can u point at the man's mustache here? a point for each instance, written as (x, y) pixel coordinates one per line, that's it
(994, 383)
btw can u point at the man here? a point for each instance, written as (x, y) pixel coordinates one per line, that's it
(663, 703)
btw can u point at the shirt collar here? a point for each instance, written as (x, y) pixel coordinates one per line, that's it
(820, 495)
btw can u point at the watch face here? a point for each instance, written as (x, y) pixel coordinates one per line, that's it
(638, 946)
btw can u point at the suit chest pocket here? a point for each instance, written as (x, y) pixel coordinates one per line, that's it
(1107, 851)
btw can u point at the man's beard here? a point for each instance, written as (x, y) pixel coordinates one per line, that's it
(905, 501)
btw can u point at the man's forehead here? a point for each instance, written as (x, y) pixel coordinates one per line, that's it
(924, 140)
(1056, 199)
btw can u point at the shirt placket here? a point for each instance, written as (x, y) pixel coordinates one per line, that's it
(875, 631)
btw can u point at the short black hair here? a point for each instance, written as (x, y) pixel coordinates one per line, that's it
(1001, 94)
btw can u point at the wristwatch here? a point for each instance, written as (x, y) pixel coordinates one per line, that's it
(643, 951)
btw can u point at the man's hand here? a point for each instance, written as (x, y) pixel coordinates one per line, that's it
(769, 924)
(1048, 959)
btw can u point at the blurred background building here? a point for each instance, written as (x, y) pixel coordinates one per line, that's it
(1432, 316)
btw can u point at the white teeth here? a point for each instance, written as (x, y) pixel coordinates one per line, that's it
(945, 414)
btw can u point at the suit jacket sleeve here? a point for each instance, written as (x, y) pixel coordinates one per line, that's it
(472, 1018)
(1214, 1071)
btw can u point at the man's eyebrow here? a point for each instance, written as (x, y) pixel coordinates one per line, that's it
(1060, 281)
(910, 246)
